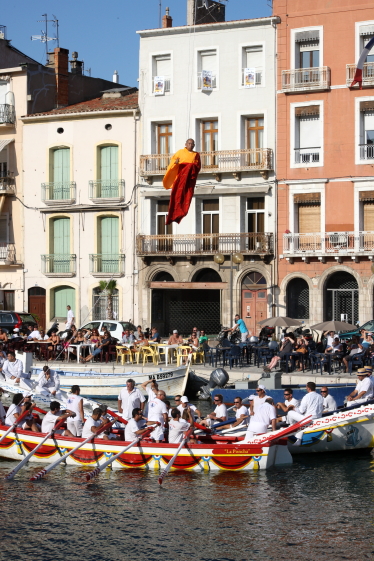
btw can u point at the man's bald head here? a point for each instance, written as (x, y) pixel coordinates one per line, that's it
(190, 144)
(161, 395)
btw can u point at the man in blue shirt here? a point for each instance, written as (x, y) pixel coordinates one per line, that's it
(239, 324)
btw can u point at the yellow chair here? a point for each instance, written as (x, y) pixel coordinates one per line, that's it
(147, 353)
(122, 353)
(199, 353)
(182, 352)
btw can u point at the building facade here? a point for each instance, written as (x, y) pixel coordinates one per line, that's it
(213, 82)
(325, 161)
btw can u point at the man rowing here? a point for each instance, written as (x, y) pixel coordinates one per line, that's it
(136, 425)
(178, 426)
(311, 405)
(219, 415)
(264, 416)
(363, 390)
(75, 404)
(94, 423)
(53, 416)
(185, 407)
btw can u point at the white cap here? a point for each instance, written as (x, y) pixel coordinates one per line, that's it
(251, 397)
(175, 331)
(16, 330)
(261, 387)
(184, 399)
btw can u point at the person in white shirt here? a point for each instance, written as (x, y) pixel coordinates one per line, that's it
(186, 406)
(330, 336)
(70, 319)
(129, 398)
(336, 347)
(241, 413)
(311, 404)
(54, 415)
(136, 426)
(363, 391)
(49, 383)
(157, 410)
(2, 410)
(93, 424)
(34, 335)
(258, 399)
(329, 403)
(178, 426)
(13, 369)
(264, 416)
(219, 415)
(14, 410)
(75, 404)
(288, 401)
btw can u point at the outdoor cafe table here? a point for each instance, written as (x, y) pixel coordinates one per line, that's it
(35, 346)
(79, 347)
(167, 349)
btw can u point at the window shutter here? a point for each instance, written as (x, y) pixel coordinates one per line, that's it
(4, 229)
(61, 236)
(209, 61)
(163, 66)
(367, 30)
(369, 216)
(63, 296)
(303, 36)
(309, 218)
(109, 235)
(254, 56)
(61, 165)
(3, 91)
(109, 163)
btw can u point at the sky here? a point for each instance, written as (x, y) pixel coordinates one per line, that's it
(103, 32)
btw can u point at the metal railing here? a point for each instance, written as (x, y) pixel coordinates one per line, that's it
(59, 191)
(6, 184)
(307, 155)
(59, 263)
(218, 161)
(366, 151)
(107, 189)
(302, 79)
(167, 82)
(7, 252)
(205, 244)
(367, 74)
(328, 243)
(106, 263)
(7, 114)
(258, 80)
(200, 81)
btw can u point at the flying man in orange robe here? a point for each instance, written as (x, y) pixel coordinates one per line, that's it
(181, 177)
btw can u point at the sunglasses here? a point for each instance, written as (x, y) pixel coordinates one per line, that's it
(259, 390)
(176, 399)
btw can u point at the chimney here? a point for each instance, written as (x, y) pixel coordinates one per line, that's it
(76, 66)
(61, 62)
(167, 20)
(115, 77)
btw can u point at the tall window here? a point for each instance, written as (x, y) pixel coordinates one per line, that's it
(61, 174)
(367, 130)
(61, 297)
(207, 60)
(309, 217)
(209, 142)
(307, 45)
(366, 33)
(256, 214)
(253, 58)
(255, 132)
(60, 245)
(3, 163)
(161, 68)
(109, 186)
(4, 237)
(162, 228)
(164, 134)
(108, 246)
(210, 220)
(308, 135)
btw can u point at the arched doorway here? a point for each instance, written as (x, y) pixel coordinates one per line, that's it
(207, 275)
(254, 301)
(341, 297)
(37, 301)
(298, 299)
(99, 305)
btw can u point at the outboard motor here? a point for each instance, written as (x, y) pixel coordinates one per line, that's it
(218, 379)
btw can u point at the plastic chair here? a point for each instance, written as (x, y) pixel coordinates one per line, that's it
(122, 353)
(182, 352)
(147, 353)
(199, 353)
(357, 360)
(235, 356)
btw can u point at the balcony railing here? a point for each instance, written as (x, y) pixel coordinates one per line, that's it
(258, 81)
(200, 81)
(7, 252)
(167, 80)
(220, 161)
(60, 191)
(106, 264)
(7, 184)
(306, 79)
(107, 189)
(307, 155)
(7, 114)
(59, 264)
(205, 244)
(366, 151)
(329, 243)
(367, 74)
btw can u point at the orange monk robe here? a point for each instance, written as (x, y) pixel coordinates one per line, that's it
(181, 178)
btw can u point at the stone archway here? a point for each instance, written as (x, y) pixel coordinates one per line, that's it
(341, 297)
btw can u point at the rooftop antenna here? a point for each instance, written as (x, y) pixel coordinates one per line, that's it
(159, 13)
(43, 38)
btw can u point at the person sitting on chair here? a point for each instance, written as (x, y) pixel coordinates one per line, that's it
(102, 346)
(219, 415)
(286, 348)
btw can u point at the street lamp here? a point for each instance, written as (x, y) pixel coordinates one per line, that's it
(236, 258)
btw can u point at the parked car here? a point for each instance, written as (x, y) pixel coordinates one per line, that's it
(10, 320)
(368, 326)
(115, 328)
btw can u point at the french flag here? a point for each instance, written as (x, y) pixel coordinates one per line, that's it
(358, 74)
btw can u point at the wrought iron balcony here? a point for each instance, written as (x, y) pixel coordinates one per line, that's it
(7, 114)
(366, 151)
(215, 163)
(329, 243)
(307, 155)
(306, 79)
(107, 189)
(7, 184)
(7, 253)
(205, 244)
(107, 265)
(59, 192)
(59, 265)
(367, 74)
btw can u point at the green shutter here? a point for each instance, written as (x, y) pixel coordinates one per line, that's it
(63, 296)
(109, 230)
(61, 174)
(61, 245)
(109, 171)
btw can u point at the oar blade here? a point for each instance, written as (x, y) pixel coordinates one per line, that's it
(39, 475)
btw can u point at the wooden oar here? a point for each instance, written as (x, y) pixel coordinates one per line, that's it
(44, 472)
(100, 468)
(27, 458)
(167, 469)
(18, 420)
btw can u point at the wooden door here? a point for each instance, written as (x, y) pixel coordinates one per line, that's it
(254, 309)
(37, 306)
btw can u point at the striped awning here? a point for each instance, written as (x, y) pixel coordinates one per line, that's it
(4, 143)
(366, 195)
(367, 106)
(303, 36)
(307, 198)
(306, 110)
(367, 30)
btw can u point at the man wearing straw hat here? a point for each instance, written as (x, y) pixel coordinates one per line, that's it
(363, 391)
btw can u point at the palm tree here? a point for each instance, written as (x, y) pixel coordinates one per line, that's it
(108, 289)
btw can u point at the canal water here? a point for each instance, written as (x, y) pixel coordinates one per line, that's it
(321, 508)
